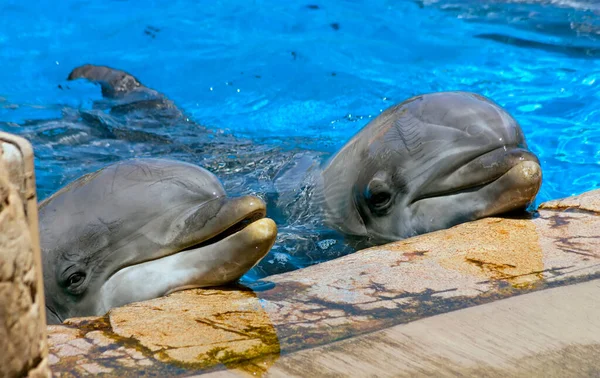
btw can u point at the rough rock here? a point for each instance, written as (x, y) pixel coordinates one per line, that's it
(474, 263)
(589, 201)
(22, 317)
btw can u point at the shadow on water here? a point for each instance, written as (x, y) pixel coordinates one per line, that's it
(589, 52)
(540, 25)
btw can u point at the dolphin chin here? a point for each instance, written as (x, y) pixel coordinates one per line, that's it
(212, 263)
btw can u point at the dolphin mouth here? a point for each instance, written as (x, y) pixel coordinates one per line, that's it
(233, 217)
(231, 230)
(483, 171)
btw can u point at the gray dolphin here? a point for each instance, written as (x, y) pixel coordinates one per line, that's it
(130, 102)
(117, 84)
(143, 228)
(429, 163)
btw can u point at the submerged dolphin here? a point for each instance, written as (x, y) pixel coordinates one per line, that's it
(119, 85)
(140, 229)
(429, 163)
(130, 103)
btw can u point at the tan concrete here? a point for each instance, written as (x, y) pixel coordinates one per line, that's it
(551, 333)
(22, 311)
(212, 339)
(589, 201)
(371, 290)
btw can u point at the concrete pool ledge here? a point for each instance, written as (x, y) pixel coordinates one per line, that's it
(548, 333)
(246, 331)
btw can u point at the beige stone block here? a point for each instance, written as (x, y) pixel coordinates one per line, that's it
(22, 311)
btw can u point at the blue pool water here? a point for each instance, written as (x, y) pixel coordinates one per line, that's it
(302, 75)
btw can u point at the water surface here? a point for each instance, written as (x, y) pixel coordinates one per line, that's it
(262, 80)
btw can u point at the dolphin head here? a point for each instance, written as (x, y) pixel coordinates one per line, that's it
(430, 163)
(140, 229)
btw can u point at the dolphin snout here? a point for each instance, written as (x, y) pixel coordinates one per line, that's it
(516, 189)
(493, 164)
(476, 172)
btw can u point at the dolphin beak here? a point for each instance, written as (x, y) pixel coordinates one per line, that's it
(237, 245)
(231, 257)
(490, 190)
(516, 189)
(478, 172)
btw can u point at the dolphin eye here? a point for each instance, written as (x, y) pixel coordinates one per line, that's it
(378, 196)
(380, 199)
(75, 280)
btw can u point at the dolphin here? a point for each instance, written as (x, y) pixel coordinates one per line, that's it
(143, 228)
(119, 85)
(129, 102)
(426, 164)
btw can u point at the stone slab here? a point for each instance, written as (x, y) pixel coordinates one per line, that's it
(550, 333)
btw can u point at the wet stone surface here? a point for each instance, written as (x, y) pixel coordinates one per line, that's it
(196, 331)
